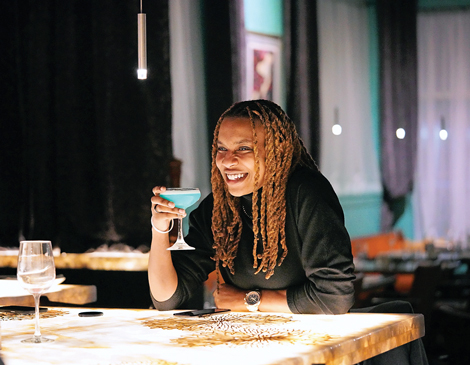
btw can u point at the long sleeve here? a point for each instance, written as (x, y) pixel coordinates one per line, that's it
(317, 221)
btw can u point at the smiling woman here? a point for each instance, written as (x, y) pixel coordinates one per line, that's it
(263, 141)
(272, 227)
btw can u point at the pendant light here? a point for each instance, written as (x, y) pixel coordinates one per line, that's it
(443, 132)
(336, 129)
(142, 44)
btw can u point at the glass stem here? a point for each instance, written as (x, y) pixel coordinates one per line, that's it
(180, 230)
(37, 332)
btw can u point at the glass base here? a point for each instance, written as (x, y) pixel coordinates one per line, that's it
(37, 339)
(180, 246)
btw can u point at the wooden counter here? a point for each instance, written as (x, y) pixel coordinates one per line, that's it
(109, 261)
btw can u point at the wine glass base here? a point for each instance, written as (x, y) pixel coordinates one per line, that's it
(180, 246)
(38, 339)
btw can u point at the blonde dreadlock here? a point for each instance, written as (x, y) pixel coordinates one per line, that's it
(284, 152)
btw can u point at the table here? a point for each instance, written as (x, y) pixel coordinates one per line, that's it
(109, 261)
(106, 272)
(11, 293)
(373, 282)
(129, 336)
(406, 262)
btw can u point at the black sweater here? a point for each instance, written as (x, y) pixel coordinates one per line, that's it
(318, 269)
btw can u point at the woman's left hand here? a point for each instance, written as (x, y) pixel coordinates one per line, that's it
(230, 297)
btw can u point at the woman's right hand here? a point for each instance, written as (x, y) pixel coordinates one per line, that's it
(163, 211)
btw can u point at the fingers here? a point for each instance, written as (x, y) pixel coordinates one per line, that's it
(161, 205)
(158, 189)
(156, 199)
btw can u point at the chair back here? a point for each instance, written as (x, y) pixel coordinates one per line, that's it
(427, 277)
(453, 328)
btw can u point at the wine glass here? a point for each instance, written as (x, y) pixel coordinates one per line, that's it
(183, 198)
(36, 273)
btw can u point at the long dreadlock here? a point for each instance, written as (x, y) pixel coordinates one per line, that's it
(284, 152)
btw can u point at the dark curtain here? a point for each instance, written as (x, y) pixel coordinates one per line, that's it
(399, 102)
(218, 67)
(238, 43)
(83, 140)
(302, 70)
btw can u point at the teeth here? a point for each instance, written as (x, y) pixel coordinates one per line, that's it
(235, 176)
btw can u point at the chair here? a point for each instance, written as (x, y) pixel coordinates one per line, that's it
(453, 333)
(422, 295)
(368, 286)
(412, 353)
(427, 277)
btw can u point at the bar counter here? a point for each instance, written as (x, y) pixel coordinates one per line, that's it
(109, 261)
(128, 336)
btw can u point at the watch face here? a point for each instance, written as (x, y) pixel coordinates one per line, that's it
(252, 298)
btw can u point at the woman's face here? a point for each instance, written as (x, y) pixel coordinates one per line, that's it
(235, 155)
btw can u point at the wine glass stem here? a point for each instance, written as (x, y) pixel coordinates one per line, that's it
(37, 332)
(180, 230)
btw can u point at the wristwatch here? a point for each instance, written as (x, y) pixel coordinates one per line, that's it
(252, 300)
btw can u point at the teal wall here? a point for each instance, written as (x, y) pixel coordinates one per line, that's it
(361, 213)
(406, 221)
(264, 16)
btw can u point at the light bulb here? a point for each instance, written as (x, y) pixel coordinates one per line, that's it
(400, 133)
(142, 73)
(443, 134)
(336, 129)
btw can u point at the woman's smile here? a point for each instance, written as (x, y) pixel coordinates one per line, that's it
(236, 177)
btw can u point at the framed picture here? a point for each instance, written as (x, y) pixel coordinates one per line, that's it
(263, 67)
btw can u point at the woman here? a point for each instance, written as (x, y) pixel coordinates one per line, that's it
(272, 227)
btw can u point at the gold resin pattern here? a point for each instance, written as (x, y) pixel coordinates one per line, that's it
(51, 313)
(236, 329)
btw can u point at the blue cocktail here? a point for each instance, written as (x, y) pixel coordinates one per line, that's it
(183, 198)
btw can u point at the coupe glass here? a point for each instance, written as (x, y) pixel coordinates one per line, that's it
(36, 273)
(183, 198)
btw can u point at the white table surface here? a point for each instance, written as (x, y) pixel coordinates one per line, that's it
(126, 336)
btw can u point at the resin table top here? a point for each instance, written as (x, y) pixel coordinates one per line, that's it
(127, 336)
